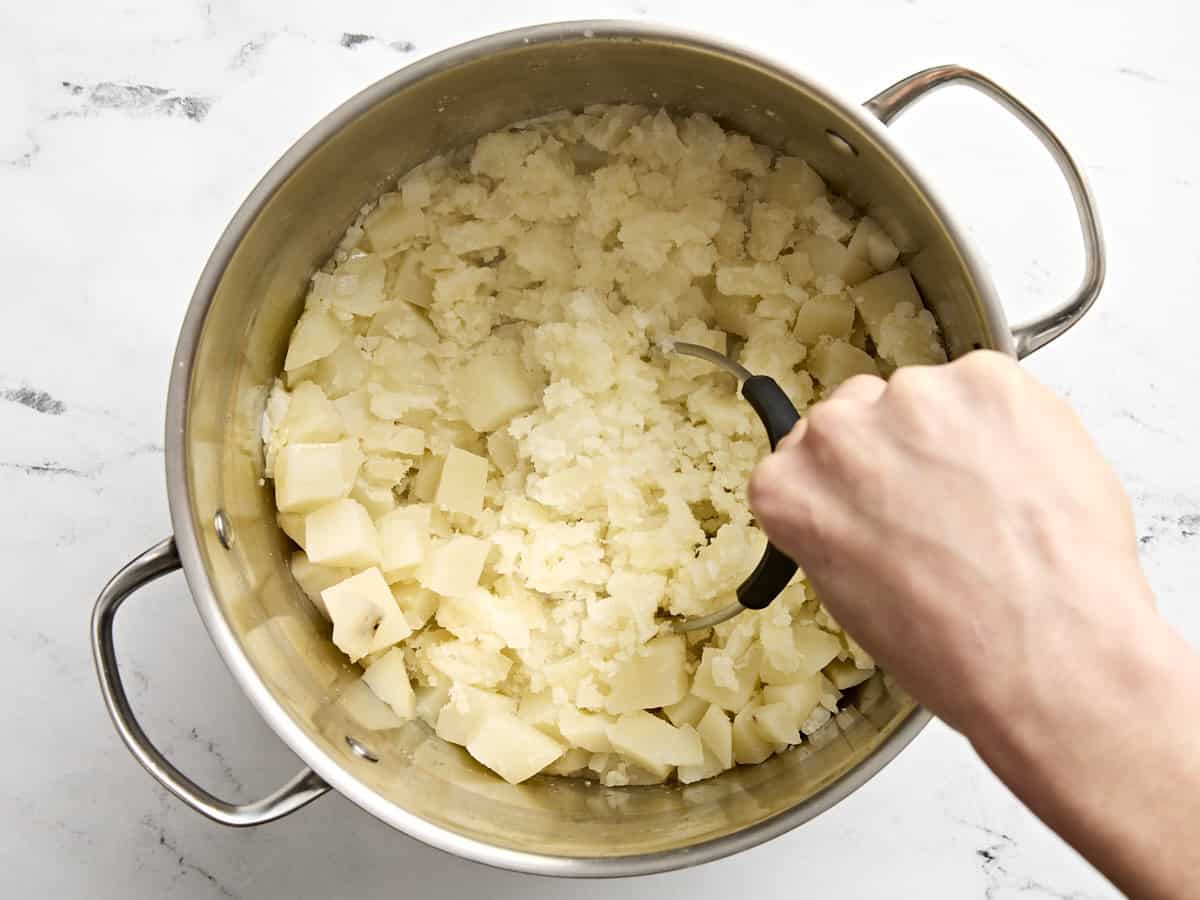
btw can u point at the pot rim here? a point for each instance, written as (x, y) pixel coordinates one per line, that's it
(188, 540)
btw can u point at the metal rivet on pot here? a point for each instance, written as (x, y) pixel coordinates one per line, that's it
(840, 144)
(223, 528)
(359, 750)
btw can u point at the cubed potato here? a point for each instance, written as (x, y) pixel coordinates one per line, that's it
(716, 731)
(429, 473)
(793, 183)
(467, 707)
(845, 674)
(313, 578)
(355, 412)
(377, 498)
(341, 534)
(655, 677)
(404, 322)
(386, 471)
(355, 287)
(707, 769)
(494, 387)
(735, 314)
(406, 282)
(815, 648)
(513, 749)
(502, 450)
(802, 696)
(394, 225)
(814, 723)
(514, 612)
(419, 604)
(770, 226)
(393, 628)
(588, 730)
(461, 485)
(389, 437)
(429, 699)
(467, 616)
(403, 542)
(716, 686)
(798, 268)
(688, 711)
(757, 280)
(388, 680)
(828, 257)
(292, 524)
(654, 744)
(878, 296)
(539, 710)
(572, 762)
(452, 567)
(316, 335)
(357, 605)
(749, 747)
(832, 361)
(825, 315)
(366, 710)
(872, 244)
(311, 475)
(343, 370)
(778, 723)
(311, 417)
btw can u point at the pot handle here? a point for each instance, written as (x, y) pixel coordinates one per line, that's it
(154, 563)
(1036, 333)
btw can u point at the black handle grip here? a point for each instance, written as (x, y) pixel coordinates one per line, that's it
(769, 577)
(775, 569)
(772, 405)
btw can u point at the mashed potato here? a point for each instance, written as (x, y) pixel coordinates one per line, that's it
(497, 483)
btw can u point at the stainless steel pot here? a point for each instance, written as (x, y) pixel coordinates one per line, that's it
(232, 345)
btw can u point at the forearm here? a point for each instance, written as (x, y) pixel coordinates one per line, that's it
(1109, 757)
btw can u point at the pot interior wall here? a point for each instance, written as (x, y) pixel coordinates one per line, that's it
(402, 122)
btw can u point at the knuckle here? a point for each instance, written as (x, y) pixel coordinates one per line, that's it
(910, 381)
(857, 386)
(829, 419)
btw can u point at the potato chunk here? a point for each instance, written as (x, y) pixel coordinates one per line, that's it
(829, 257)
(793, 183)
(512, 748)
(341, 534)
(879, 296)
(465, 710)
(388, 680)
(313, 578)
(825, 315)
(460, 486)
(310, 475)
(403, 541)
(655, 677)
(832, 361)
(452, 568)
(315, 336)
(720, 681)
(716, 731)
(357, 605)
(654, 744)
(494, 387)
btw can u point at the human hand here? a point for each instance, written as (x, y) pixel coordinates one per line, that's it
(959, 522)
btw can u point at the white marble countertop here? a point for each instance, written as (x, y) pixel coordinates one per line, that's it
(129, 133)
